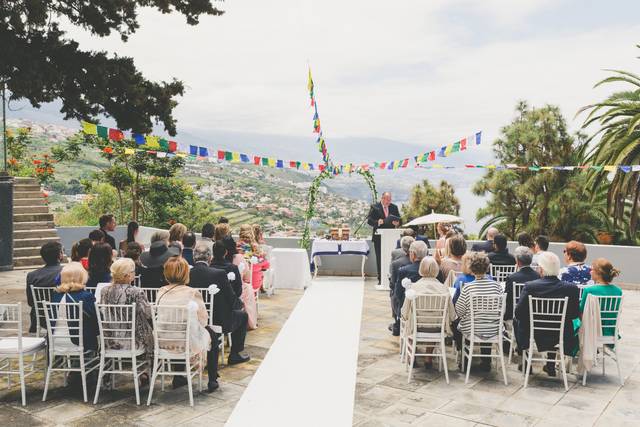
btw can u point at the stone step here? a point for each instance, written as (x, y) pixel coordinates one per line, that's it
(29, 202)
(25, 179)
(32, 225)
(26, 252)
(32, 217)
(26, 187)
(26, 194)
(30, 209)
(33, 242)
(35, 233)
(21, 262)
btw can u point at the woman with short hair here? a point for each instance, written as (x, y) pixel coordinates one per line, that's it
(576, 271)
(602, 273)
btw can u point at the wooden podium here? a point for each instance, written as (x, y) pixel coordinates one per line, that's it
(388, 240)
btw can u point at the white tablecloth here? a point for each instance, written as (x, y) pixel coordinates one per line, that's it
(338, 247)
(291, 268)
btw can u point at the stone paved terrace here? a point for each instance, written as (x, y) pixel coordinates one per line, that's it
(383, 397)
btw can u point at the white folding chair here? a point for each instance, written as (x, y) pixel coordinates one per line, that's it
(117, 325)
(486, 315)
(171, 331)
(151, 294)
(208, 295)
(501, 272)
(427, 326)
(610, 310)
(451, 278)
(546, 315)
(511, 333)
(64, 355)
(14, 345)
(41, 295)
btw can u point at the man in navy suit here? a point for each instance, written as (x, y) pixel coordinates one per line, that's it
(376, 219)
(549, 286)
(417, 251)
(486, 246)
(524, 274)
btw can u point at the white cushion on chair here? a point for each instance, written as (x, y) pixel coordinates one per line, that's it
(29, 344)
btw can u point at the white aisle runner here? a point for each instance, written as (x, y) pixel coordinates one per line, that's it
(308, 377)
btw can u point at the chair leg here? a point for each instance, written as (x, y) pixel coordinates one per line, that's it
(23, 388)
(46, 380)
(189, 385)
(99, 383)
(466, 378)
(83, 375)
(136, 383)
(584, 378)
(564, 370)
(502, 363)
(529, 353)
(615, 353)
(156, 368)
(603, 357)
(443, 351)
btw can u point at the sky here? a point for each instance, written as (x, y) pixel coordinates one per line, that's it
(421, 72)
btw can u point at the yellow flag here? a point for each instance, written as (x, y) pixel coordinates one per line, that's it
(610, 168)
(181, 154)
(272, 163)
(305, 166)
(129, 151)
(436, 166)
(89, 128)
(235, 157)
(151, 141)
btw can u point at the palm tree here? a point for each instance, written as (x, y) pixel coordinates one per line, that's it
(619, 120)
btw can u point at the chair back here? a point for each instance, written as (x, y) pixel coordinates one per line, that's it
(151, 294)
(117, 325)
(451, 278)
(64, 323)
(517, 290)
(546, 315)
(11, 322)
(610, 309)
(487, 312)
(41, 295)
(171, 325)
(501, 272)
(136, 281)
(429, 312)
(207, 296)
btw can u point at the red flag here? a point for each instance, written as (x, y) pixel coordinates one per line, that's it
(432, 155)
(116, 135)
(256, 160)
(321, 168)
(383, 165)
(220, 155)
(469, 166)
(463, 144)
(292, 164)
(173, 146)
(405, 163)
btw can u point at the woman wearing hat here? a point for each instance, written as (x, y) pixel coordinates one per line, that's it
(151, 274)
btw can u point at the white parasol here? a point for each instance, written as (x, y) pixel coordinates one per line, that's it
(434, 218)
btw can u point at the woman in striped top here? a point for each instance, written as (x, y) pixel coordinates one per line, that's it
(483, 285)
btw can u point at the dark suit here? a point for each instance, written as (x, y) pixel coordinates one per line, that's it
(408, 271)
(524, 275)
(501, 258)
(230, 267)
(418, 238)
(47, 276)
(376, 213)
(547, 287)
(90, 329)
(109, 239)
(152, 277)
(227, 309)
(394, 269)
(486, 246)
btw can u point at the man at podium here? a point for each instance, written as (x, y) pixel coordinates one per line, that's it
(383, 214)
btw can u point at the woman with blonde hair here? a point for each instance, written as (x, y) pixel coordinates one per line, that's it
(602, 273)
(178, 293)
(73, 279)
(176, 233)
(253, 255)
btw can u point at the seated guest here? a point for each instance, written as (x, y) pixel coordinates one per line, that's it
(96, 236)
(541, 245)
(73, 278)
(132, 233)
(398, 251)
(134, 250)
(548, 286)
(576, 271)
(176, 233)
(100, 259)
(108, 223)
(483, 285)
(80, 252)
(500, 254)
(207, 234)
(120, 292)
(152, 272)
(223, 220)
(227, 307)
(417, 251)
(405, 244)
(525, 239)
(442, 229)
(486, 246)
(602, 273)
(160, 236)
(178, 293)
(188, 243)
(257, 233)
(47, 276)
(465, 277)
(456, 248)
(249, 248)
(223, 232)
(428, 285)
(523, 275)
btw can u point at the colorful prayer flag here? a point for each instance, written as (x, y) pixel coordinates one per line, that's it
(138, 138)
(478, 137)
(463, 144)
(173, 146)
(89, 128)
(164, 144)
(193, 150)
(244, 158)
(116, 135)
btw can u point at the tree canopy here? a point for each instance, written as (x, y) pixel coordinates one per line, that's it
(40, 63)
(425, 198)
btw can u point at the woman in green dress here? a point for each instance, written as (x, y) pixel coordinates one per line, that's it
(602, 273)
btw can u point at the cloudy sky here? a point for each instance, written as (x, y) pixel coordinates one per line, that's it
(422, 72)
